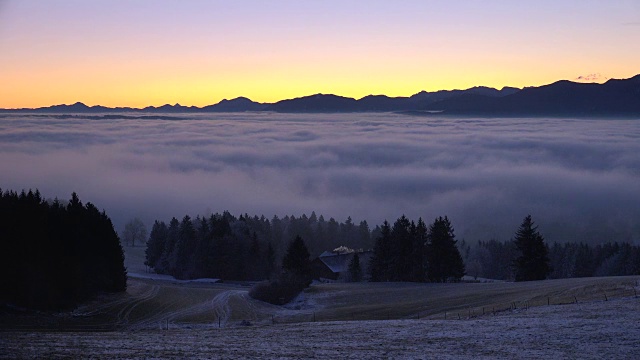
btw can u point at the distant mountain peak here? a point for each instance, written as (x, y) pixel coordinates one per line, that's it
(238, 104)
(239, 99)
(615, 97)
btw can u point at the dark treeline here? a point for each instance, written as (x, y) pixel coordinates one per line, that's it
(243, 248)
(251, 248)
(582, 260)
(493, 260)
(53, 256)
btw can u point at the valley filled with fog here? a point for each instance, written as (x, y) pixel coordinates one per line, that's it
(578, 178)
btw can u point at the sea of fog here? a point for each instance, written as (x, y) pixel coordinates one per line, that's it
(579, 179)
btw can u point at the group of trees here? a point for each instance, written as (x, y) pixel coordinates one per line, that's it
(251, 248)
(218, 247)
(411, 251)
(55, 255)
(582, 260)
(504, 260)
(241, 248)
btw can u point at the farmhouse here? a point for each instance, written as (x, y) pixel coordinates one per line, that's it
(334, 265)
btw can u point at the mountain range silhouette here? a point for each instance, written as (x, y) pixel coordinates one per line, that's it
(616, 97)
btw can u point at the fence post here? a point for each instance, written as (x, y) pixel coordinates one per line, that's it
(445, 315)
(219, 323)
(548, 302)
(314, 316)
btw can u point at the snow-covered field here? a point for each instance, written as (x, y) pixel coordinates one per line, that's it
(593, 330)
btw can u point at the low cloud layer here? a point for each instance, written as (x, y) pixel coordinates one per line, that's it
(579, 179)
(594, 77)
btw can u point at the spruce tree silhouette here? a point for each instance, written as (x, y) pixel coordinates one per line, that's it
(296, 260)
(533, 261)
(445, 262)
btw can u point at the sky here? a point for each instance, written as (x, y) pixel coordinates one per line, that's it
(578, 179)
(153, 52)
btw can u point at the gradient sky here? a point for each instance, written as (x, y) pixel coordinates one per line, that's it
(152, 52)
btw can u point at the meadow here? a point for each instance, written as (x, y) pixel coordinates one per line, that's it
(160, 318)
(589, 329)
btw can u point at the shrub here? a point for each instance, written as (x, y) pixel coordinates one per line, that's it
(280, 290)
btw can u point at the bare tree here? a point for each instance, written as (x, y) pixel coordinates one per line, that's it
(134, 230)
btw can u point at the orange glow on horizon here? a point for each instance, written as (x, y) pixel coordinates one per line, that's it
(110, 90)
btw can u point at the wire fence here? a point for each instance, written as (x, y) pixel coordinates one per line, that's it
(464, 312)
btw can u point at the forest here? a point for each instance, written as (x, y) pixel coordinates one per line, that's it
(251, 248)
(243, 248)
(54, 255)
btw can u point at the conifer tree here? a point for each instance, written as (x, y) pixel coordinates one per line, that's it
(270, 260)
(418, 256)
(355, 271)
(533, 260)
(379, 269)
(156, 243)
(184, 248)
(402, 250)
(296, 260)
(168, 258)
(445, 262)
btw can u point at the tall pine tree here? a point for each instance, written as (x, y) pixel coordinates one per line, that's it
(296, 260)
(402, 250)
(355, 271)
(533, 261)
(444, 259)
(379, 265)
(156, 243)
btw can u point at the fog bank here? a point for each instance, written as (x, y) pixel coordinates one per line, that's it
(579, 179)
